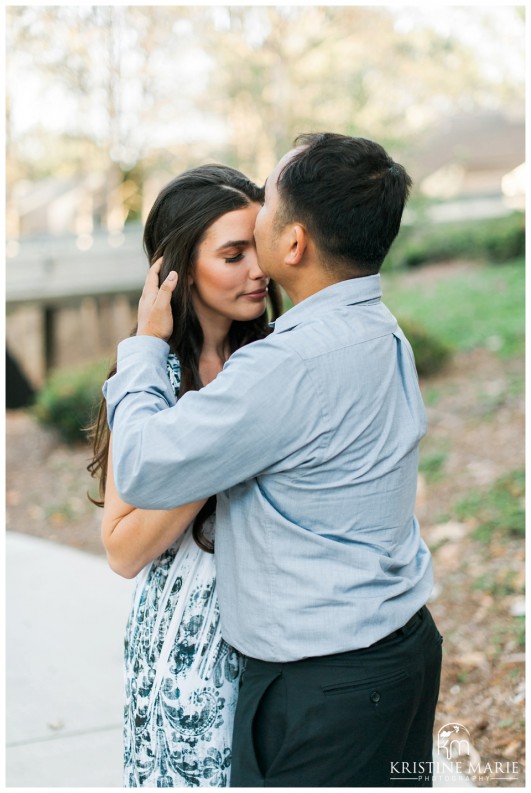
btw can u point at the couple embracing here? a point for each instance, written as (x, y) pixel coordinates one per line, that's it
(258, 472)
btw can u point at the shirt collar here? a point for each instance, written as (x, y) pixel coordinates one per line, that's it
(345, 293)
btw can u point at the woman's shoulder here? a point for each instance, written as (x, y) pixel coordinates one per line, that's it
(173, 367)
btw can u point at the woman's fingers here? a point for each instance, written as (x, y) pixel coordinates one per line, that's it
(154, 308)
(151, 284)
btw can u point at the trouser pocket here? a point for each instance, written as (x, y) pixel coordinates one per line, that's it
(269, 724)
(251, 752)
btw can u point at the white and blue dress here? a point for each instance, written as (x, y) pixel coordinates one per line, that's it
(181, 677)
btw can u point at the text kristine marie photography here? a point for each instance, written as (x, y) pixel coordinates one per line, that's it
(457, 761)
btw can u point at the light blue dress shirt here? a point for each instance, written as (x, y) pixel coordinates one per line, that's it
(310, 439)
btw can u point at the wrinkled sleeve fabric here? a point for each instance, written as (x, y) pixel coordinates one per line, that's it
(168, 453)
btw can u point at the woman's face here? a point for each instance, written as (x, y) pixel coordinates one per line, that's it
(226, 280)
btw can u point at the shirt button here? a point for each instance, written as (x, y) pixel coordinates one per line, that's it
(375, 697)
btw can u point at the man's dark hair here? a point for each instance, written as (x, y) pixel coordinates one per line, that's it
(349, 194)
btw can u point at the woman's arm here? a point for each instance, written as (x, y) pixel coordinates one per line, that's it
(133, 537)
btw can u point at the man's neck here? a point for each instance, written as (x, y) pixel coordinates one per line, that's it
(310, 285)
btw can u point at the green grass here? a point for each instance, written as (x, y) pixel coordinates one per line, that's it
(520, 631)
(432, 465)
(482, 307)
(497, 585)
(500, 510)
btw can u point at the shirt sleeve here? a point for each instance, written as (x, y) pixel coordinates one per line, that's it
(248, 419)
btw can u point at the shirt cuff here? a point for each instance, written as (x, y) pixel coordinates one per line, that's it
(141, 369)
(155, 349)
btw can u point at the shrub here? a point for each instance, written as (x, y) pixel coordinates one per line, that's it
(431, 354)
(494, 239)
(70, 399)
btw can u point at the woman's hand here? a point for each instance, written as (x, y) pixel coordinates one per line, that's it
(154, 308)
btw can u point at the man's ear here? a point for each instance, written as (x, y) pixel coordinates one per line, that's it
(298, 242)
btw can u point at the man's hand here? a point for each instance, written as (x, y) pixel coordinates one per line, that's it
(154, 308)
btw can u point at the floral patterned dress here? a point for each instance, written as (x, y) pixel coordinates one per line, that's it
(181, 677)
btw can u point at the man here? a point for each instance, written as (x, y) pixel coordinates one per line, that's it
(310, 439)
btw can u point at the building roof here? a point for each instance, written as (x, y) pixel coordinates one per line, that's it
(476, 141)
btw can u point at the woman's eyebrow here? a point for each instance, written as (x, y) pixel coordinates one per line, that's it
(232, 244)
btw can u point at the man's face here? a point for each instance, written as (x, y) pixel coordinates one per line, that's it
(269, 238)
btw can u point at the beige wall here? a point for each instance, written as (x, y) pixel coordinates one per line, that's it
(85, 331)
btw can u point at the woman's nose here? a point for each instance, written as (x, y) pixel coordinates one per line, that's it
(254, 268)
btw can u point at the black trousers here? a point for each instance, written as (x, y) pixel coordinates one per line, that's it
(348, 720)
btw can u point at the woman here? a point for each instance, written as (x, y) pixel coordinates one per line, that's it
(181, 678)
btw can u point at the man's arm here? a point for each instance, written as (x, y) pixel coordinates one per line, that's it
(246, 420)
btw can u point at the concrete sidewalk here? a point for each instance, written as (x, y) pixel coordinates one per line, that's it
(66, 614)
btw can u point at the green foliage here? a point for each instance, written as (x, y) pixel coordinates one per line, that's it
(351, 69)
(70, 399)
(499, 510)
(431, 354)
(480, 306)
(504, 723)
(432, 396)
(497, 584)
(432, 465)
(495, 240)
(520, 632)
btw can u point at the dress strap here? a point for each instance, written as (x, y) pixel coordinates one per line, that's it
(173, 367)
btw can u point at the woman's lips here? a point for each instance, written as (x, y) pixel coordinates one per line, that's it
(258, 294)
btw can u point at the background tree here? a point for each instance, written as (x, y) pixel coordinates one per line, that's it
(135, 93)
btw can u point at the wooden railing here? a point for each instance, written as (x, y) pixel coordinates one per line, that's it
(65, 305)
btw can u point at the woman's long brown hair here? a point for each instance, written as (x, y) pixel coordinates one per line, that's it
(175, 227)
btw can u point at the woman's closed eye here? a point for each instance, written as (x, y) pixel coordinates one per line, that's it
(234, 259)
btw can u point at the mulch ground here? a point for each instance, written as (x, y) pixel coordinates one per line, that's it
(478, 601)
